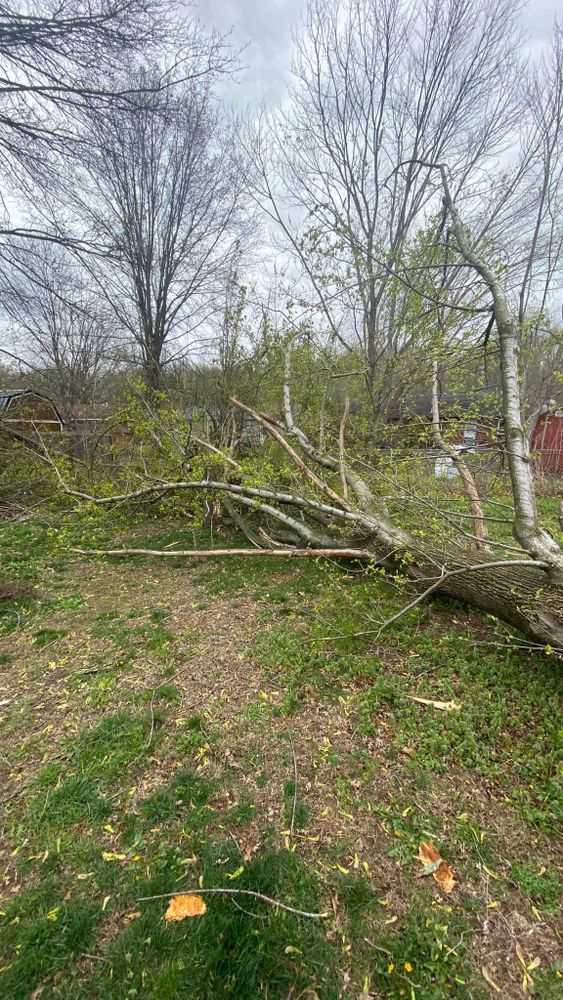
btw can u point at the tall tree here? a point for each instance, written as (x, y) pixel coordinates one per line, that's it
(161, 188)
(379, 83)
(58, 58)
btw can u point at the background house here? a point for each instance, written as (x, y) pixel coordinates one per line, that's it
(546, 442)
(24, 411)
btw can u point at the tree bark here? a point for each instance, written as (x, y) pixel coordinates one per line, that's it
(524, 598)
(526, 528)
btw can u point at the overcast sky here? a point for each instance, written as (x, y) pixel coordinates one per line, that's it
(264, 26)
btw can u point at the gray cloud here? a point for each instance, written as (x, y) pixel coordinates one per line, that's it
(264, 27)
(538, 17)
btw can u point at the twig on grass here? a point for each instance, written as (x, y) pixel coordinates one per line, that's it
(234, 839)
(239, 892)
(249, 913)
(377, 947)
(95, 670)
(294, 808)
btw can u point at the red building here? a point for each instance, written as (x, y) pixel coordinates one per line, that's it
(546, 443)
(25, 412)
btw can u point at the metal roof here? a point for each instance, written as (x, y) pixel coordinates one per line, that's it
(7, 394)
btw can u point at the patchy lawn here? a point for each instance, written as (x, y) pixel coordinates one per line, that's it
(171, 725)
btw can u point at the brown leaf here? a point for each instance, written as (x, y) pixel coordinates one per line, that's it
(428, 852)
(181, 907)
(445, 877)
(435, 865)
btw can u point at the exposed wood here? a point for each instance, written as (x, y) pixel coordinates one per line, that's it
(301, 465)
(342, 450)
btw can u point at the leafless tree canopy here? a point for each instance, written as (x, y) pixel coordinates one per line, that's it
(379, 88)
(58, 327)
(50, 54)
(162, 190)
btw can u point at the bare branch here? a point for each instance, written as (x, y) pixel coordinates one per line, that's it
(341, 448)
(467, 479)
(239, 892)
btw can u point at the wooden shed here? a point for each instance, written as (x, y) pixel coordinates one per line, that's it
(23, 411)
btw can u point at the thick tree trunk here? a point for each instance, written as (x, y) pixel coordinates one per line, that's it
(522, 596)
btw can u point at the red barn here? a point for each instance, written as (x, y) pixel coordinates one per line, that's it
(24, 411)
(546, 443)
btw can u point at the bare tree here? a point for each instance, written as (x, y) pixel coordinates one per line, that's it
(376, 83)
(57, 327)
(162, 190)
(56, 57)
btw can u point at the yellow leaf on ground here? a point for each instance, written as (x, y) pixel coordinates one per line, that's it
(489, 979)
(181, 907)
(442, 706)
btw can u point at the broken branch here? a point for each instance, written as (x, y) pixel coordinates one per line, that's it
(213, 553)
(240, 892)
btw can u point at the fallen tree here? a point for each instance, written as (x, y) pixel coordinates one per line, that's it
(519, 591)
(338, 512)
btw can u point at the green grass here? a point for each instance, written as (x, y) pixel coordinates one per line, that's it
(185, 795)
(47, 636)
(507, 728)
(67, 802)
(153, 788)
(226, 952)
(542, 885)
(45, 935)
(301, 813)
(112, 747)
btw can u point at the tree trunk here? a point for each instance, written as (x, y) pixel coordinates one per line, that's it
(526, 527)
(521, 596)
